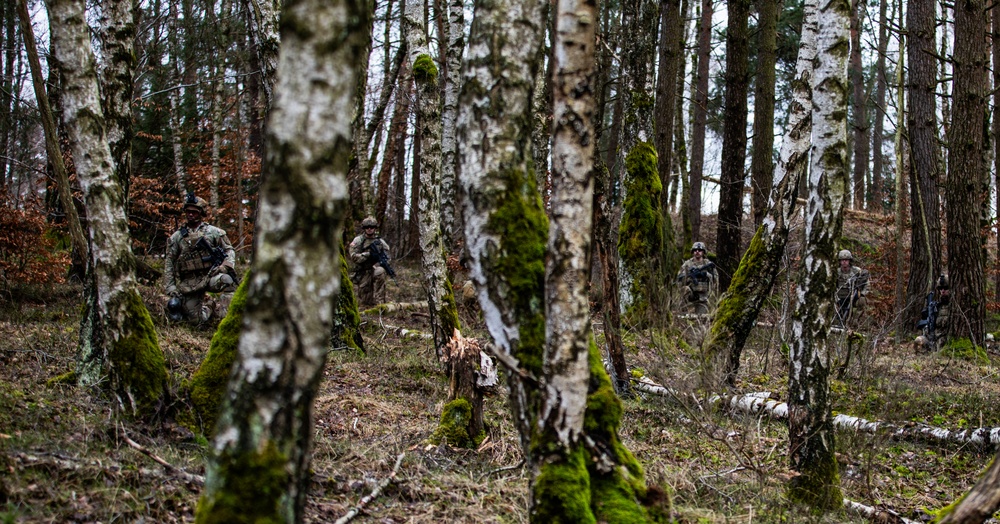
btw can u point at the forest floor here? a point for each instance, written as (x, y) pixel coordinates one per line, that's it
(65, 457)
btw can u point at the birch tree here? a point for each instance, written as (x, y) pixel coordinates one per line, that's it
(740, 306)
(117, 33)
(450, 212)
(259, 467)
(811, 435)
(119, 352)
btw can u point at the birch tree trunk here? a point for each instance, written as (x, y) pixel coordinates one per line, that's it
(117, 32)
(264, 38)
(505, 225)
(739, 307)
(450, 219)
(259, 468)
(582, 472)
(119, 352)
(811, 436)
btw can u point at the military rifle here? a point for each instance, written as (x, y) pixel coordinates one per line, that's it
(215, 255)
(928, 318)
(378, 255)
(701, 274)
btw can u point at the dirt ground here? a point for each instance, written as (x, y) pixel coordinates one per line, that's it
(65, 457)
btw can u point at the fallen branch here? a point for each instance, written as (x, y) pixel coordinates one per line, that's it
(761, 403)
(373, 495)
(393, 307)
(875, 514)
(188, 477)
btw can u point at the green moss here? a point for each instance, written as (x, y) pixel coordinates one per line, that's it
(963, 348)
(139, 372)
(818, 485)
(619, 495)
(447, 313)
(454, 426)
(208, 384)
(424, 69)
(522, 225)
(562, 491)
(68, 377)
(247, 487)
(640, 235)
(346, 329)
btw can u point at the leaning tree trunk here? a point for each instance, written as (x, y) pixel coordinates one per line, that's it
(966, 172)
(859, 104)
(52, 148)
(265, 428)
(980, 503)
(461, 358)
(811, 435)
(119, 352)
(739, 307)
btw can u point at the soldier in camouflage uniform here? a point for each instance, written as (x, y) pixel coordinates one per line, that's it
(852, 290)
(698, 279)
(936, 336)
(369, 276)
(194, 268)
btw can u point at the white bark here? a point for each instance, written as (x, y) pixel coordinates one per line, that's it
(115, 324)
(266, 417)
(495, 105)
(567, 307)
(432, 248)
(263, 21)
(449, 118)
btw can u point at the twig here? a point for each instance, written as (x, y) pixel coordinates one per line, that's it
(189, 477)
(373, 495)
(500, 470)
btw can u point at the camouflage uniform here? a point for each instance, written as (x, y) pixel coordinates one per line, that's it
(939, 336)
(368, 276)
(852, 288)
(700, 281)
(189, 272)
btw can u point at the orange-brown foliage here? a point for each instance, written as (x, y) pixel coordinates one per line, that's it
(28, 253)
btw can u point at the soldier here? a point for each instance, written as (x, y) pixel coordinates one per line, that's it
(699, 279)
(200, 259)
(852, 289)
(369, 274)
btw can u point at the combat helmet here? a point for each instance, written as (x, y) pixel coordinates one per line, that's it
(197, 203)
(369, 222)
(845, 255)
(175, 309)
(698, 245)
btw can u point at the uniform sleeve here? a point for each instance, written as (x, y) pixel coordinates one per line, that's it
(862, 282)
(227, 247)
(173, 251)
(355, 251)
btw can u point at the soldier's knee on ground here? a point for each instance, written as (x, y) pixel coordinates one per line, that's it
(221, 282)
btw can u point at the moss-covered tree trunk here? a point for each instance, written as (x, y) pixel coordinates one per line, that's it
(259, 468)
(980, 503)
(461, 361)
(739, 307)
(641, 241)
(119, 351)
(810, 428)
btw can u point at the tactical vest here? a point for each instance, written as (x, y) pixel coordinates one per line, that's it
(193, 260)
